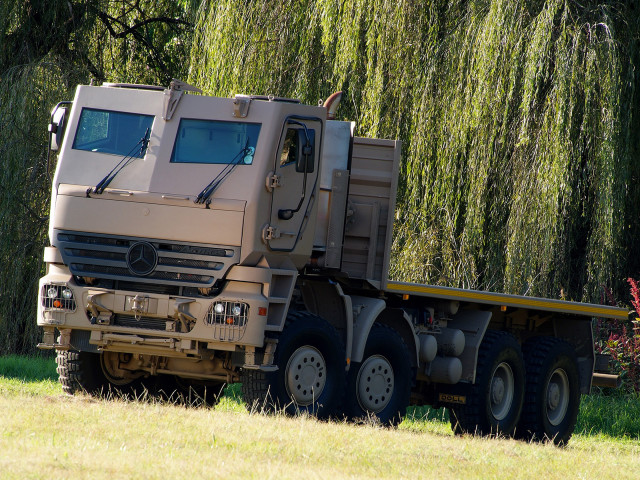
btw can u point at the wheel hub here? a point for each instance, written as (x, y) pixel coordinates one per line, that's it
(558, 392)
(375, 383)
(502, 391)
(554, 396)
(305, 375)
(497, 390)
(111, 363)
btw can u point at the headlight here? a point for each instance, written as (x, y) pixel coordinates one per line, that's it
(57, 297)
(233, 314)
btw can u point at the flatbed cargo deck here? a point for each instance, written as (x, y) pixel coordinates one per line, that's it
(507, 300)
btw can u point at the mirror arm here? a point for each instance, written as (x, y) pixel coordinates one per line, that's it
(53, 130)
(287, 213)
(307, 151)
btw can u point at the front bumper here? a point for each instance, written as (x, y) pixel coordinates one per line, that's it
(150, 323)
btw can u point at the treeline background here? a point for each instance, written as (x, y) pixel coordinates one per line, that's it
(519, 122)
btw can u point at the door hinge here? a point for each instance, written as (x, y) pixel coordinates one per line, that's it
(241, 106)
(273, 181)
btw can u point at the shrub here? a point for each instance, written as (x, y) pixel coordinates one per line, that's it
(621, 340)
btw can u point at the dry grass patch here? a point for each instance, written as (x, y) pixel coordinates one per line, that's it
(56, 436)
(46, 434)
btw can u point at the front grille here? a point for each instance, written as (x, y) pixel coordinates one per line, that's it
(185, 262)
(149, 323)
(152, 323)
(148, 288)
(85, 269)
(112, 257)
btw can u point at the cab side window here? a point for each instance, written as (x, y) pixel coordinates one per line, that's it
(290, 147)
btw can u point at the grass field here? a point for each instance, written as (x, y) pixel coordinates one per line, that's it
(46, 434)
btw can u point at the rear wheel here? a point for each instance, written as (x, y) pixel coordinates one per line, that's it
(380, 386)
(310, 378)
(552, 392)
(495, 399)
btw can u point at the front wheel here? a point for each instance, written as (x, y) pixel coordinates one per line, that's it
(80, 372)
(94, 373)
(310, 357)
(380, 386)
(553, 390)
(495, 400)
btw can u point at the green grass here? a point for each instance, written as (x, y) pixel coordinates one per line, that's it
(612, 416)
(46, 434)
(28, 376)
(28, 368)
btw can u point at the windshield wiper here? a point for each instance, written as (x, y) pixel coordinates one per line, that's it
(143, 143)
(205, 195)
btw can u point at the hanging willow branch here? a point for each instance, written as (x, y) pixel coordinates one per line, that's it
(520, 168)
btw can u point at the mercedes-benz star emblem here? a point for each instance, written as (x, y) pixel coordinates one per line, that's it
(142, 258)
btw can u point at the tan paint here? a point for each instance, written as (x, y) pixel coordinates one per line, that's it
(169, 222)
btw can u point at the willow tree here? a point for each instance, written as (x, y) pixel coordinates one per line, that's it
(520, 166)
(46, 49)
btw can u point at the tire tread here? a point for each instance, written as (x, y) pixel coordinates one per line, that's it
(258, 387)
(76, 372)
(470, 418)
(536, 353)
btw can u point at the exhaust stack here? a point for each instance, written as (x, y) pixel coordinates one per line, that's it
(331, 104)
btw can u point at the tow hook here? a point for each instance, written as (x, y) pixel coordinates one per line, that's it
(186, 319)
(138, 306)
(99, 314)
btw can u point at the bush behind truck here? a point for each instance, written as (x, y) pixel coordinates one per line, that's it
(209, 240)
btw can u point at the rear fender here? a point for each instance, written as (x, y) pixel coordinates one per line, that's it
(368, 311)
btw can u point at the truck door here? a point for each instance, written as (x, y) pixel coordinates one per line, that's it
(293, 181)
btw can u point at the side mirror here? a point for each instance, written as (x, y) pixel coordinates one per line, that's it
(57, 127)
(305, 153)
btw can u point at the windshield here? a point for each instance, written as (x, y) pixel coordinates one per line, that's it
(111, 132)
(215, 142)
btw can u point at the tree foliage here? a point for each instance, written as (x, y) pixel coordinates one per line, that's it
(518, 119)
(46, 49)
(520, 166)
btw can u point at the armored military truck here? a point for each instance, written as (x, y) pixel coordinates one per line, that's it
(247, 239)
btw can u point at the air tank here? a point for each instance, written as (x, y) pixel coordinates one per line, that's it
(451, 342)
(444, 370)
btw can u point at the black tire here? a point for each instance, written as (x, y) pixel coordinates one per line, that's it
(494, 402)
(85, 372)
(80, 372)
(552, 397)
(380, 385)
(308, 344)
